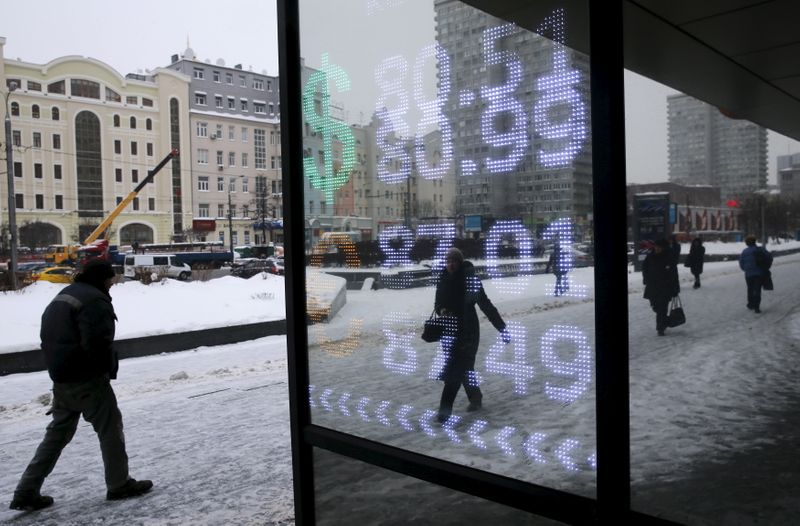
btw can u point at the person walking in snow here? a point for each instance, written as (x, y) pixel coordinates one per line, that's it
(694, 260)
(77, 335)
(457, 293)
(755, 261)
(560, 267)
(660, 277)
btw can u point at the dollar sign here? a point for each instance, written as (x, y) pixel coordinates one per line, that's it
(330, 179)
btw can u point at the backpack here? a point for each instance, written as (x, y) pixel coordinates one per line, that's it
(763, 262)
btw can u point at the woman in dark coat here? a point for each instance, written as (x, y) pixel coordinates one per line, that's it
(660, 277)
(695, 260)
(457, 293)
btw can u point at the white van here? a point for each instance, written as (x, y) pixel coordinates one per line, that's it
(159, 264)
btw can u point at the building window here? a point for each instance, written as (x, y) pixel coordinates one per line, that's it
(260, 142)
(15, 109)
(135, 175)
(243, 104)
(19, 201)
(55, 114)
(119, 199)
(37, 139)
(202, 156)
(58, 88)
(215, 76)
(269, 85)
(244, 160)
(232, 184)
(218, 101)
(242, 81)
(229, 79)
(59, 202)
(134, 148)
(34, 86)
(220, 184)
(84, 88)
(219, 131)
(219, 157)
(244, 134)
(112, 96)
(231, 158)
(117, 147)
(202, 129)
(118, 175)
(57, 171)
(39, 201)
(149, 147)
(221, 236)
(116, 121)
(136, 203)
(200, 99)
(148, 124)
(16, 138)
(258, 84)
(202, 210)
(199, 73)
(202, 183)
(231, 133)
(56, 141)
(259, 107)
(35, 111)
(235, 236)
(271, 109)
(231, 103)
(17, 169)
(151, 203)
(148, 103)
(245, 186)
(37, 171)
(133, 123)
(131, 99)
(220, 210)
(246, 235)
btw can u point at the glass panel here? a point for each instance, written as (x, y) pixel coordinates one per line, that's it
(451, 129)
(348, 491)
(713, 402)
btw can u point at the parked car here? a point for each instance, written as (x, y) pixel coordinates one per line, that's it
(251, 267)
(55, 274)
(167, 265)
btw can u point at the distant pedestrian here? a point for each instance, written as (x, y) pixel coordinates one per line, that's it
(675, 250)
(457, 293)
(755, 261)
(660, 277)
(694, 260)
(559, 264)
(77, 334)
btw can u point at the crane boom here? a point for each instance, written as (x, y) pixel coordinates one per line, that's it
(106, 223)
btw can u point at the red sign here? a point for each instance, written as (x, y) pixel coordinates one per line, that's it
(204, 225)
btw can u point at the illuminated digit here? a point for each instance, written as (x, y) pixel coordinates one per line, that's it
(561, 231)
(531, 447)
(432, 114)
(564, 132)
(334, 242)
(513, 139)
(517, 369)
(564, 454)
(443, 351)
(524, 241)
(394, 163)
(399, 329)
(445, 235)
(398, 255)
(579, 369)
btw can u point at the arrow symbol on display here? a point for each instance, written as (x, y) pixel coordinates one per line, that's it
(474, 431)
(381, 413)
(502, 439)
(342, 401)
(563, 453)
(425, 422)
(449, 426)
(402, 417)
(360, 408)
(323, 399)
(532, 447)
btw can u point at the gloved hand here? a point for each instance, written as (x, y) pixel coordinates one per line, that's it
(505, 335)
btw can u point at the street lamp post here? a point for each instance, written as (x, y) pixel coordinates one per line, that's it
(12, 205)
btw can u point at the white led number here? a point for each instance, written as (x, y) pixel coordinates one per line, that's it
(578, 369)
(432, 113)
(503, 111)
(518, 368)
(394, 162)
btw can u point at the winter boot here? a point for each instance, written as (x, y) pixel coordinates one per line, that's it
(132, 488)
(30, 502)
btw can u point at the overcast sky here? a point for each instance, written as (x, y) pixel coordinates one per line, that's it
(145, 34)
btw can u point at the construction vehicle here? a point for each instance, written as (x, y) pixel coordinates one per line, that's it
(61, 254)
(95, 245)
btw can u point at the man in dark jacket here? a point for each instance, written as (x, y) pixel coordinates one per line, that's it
(660, 277)
(755, 261)
(457, 293)
(560, 264)
(77, 335)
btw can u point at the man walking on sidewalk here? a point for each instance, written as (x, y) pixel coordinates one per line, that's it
(77, 335)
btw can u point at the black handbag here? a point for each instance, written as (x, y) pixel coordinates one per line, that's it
(676, 315)
(766, 281)
(435, 326)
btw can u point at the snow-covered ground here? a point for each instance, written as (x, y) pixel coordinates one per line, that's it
(210, 426)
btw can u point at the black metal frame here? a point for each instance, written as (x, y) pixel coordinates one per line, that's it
(612, 505)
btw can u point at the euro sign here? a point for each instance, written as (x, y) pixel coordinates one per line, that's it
(331, 177)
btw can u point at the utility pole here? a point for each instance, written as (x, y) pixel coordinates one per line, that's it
(12, 201)
(230, 221)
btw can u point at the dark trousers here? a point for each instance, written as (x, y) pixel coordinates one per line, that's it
(460, 370)
(660, 307)
(696, 279)
(754, 291)
(451, 388)
(95, 400)
(562, 285)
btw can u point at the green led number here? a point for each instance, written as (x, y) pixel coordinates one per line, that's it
(330, 179)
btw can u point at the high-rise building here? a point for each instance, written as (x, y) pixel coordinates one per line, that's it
(789, 175)
(708, 148)
(234, 116)
(521, 142)
(83, 138)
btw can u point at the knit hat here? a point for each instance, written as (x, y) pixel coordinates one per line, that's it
(95, 272)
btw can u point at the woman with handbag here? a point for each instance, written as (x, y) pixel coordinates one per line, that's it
(457, 293)
(660, 277)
